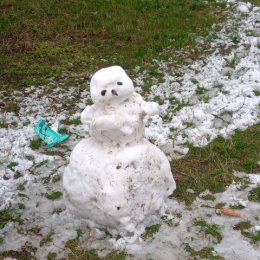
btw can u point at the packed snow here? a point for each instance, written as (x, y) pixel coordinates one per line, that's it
(116, 179)
(212, 96)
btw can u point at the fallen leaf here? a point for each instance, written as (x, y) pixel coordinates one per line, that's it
(229, 212)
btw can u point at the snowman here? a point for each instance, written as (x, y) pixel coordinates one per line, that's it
(116, 179)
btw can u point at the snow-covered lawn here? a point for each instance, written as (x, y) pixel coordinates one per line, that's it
(211, 96)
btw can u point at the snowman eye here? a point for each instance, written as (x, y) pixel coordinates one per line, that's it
(119, 83)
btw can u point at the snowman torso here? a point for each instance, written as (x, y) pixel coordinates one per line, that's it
(116, 179)
(117, 188)
(119, 124)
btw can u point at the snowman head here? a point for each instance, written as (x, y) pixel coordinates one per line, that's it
(110, 86)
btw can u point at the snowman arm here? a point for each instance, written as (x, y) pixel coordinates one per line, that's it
(87, 115)
(150, 108)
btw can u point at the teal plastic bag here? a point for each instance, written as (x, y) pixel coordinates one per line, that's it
(50, 137)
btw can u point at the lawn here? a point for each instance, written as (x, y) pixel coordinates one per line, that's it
(212, 167)
(42, 39)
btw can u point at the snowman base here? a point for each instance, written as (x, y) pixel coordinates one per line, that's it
(118, 189)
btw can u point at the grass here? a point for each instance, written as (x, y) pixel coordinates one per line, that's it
(40, 164)
(168, 221)
(208, 197)
(63, 130)
(11, 165)
(35, 144)
(208, 229)
(23, 254)
(91, 254)
(9, 215)
(77, 253)
(21, 186)
(51, 256)
(204, 253)
(51, 178)
(56, 178)
(236, 206)
(57, 211)
(255, 2)
(254, 194)
(21, 206)
(47, 239)
(201, 90)
(55, 195)
(150, 231)
(42, 39)
(243, 226)
(3, 124)
(74, 121)
(212, 167)
(17, 175)
(253, 237)
(12, 107)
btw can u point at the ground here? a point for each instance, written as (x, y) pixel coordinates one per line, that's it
(206, 79)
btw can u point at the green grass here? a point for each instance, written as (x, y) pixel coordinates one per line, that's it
(56, 178)
(51, 178)
(243, 227)
(47, 239)
(237, 206)
(63, 130)
(201, 90)
(91, 254)
(253, 237)
(208, 229)
(41, 39)
(57, 211)
(55, 195)
(150, 231)
(254, 194)
(11, 165)
(40, 164)
(212, 167)
(12, 107)
(168, 221)
(21, 206)
(204, 253)
(17, 175)
(208, 197)
(23, 254)
(35, 144)
(3, 124)
(51, 256)
(8, 215)
(77, 253)
(21, 186)
(74, 121)
(255, 2)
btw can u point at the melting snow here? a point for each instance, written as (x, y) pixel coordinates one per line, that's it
(217, 92)
(213, 96)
